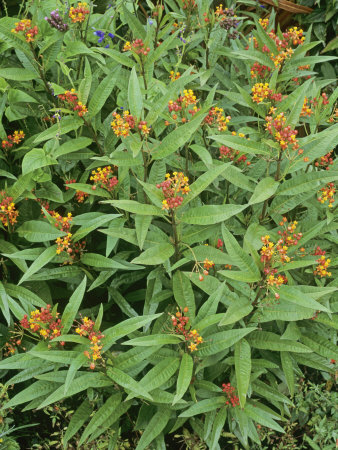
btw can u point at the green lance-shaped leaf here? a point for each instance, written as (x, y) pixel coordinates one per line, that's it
(4, 304)
(35, 159)
(40, 262)
(73, 145)
(236, 311)
(35, 390)
(220, 341)
(142, 224)
(134, 24)
(154, 339)
(154, 427)
(264, 190)
(184, 376)
(65, 125)
(183, 293)
(288, 370)
(320, 345)
(73, 306)
(217, 428)
(203, 406)
(243, 369)
(126, 327)
(204, 181)
(159, 374)
(270, 341)
(102, 93)
(294, 295)
(241, 144)
(80, 416)
(135, 95)
(20, 292)
(210, 214)
(136, 207)
(157, 254)
(126, 381)
(177, 138)
(96, 260)
(299, 184)
(240, 258)
(101, 415)
(75, 365)
(38, 231)
(262, 417)
(17, 74)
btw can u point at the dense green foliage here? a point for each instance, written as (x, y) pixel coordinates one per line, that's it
(168, 227)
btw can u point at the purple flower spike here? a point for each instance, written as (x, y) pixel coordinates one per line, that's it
(111, 35)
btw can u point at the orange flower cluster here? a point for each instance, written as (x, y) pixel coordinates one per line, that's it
(8, 213)
(181, 326)
(86, 329)
(284, 135)
(288, 237)
(80, 196)
(230, 153)
(174, 75)
(230, 393)
(13, 139)
(123, 124)
(260, 92)
(184, 103)
(171, 187)
(216, 115)
(79, 13)
(25, 26)
(64, 243)
(322, 265)
(189, 4)
(327, 194)
(207, 264)
(273, 280)
(43, 322)
(137, 46)
(104, 178)
(73, 249)
(264, 23)
(325, 161)
(259, 70)
(62, 223)
(71, 98)
(306, 109)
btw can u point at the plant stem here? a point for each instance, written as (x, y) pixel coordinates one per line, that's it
(175, 235)
(93, 132)
(279, 160)
(265, 205)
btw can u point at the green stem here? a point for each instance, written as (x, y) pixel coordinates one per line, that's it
(93, 132)
(175, 235)
(279, 160)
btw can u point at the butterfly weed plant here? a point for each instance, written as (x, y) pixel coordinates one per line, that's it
(168, 221)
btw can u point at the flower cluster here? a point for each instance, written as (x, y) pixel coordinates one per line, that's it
(104, 178)
(80, 196)
(228, 20)
(123, 124)
(231, 154)
(171, 188)
(306, 109)
(261, 91)
(259, 70)
(43, 322)
(327, 194)
(230, 393)
(216, 115)
(102, 35)
(73, 249)
(284, 135)
(62, 223)
(181, 326)
(185, 103)
(174, 75)
(273, 280)
(325, 161)
(322, 265)
(56, 21)
(137, 47)
(79, 13)
(189, 4)
(86, 329)
(71, 98)
(8, 213)
(13, 139)
(25, 26)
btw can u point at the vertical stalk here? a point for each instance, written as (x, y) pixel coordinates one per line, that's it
(175, 235)
(279, 160)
